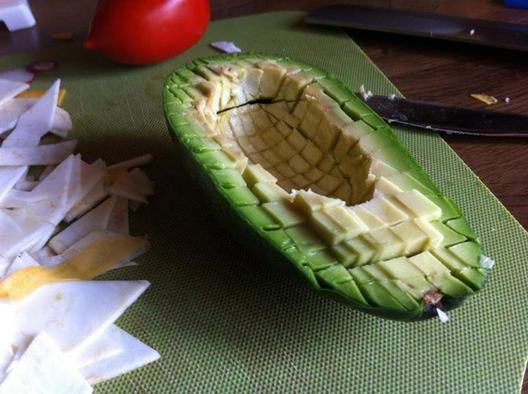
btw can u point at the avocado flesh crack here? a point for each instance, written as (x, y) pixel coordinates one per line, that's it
(325, 181)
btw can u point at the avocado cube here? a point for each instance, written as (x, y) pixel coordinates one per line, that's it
(285, 213)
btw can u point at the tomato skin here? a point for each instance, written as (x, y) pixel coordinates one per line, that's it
(146, 31)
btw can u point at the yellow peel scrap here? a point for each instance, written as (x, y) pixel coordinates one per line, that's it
(95, 260)
(484, 98)
(39, 93)
(62, 35)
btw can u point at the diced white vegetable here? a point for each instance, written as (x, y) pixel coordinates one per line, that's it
(36, 121)
(118, 221)
(44, 369)
(9, 89)
(42, 254)
(20, 232)
(17, 74)
(25, 185)
(22, 261)
(62, 122)
(9, 176)
(135, 354)
(99, 349)
(96, 195)
(96, 219)
(68, 313)
(131, 163)
(83, 243)
(225, 46)
(133, 185)
(12, 109)
(41, 155)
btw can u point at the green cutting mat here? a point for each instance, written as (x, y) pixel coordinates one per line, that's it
(224, 321)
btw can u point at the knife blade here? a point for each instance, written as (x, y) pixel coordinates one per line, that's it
(447, 119)
(422, 24)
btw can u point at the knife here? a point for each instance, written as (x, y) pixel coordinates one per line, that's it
(422, 24)
(450, 120)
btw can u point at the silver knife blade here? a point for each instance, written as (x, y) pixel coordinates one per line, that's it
(450, 120)
(421, 24)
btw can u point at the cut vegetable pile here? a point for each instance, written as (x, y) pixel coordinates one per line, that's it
(310, 177)
(62, 224)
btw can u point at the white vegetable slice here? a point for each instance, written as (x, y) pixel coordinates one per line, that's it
(68, 313)
(102, 347)
(17, 74)
(36, 121)
(53, 193)
(118, 221)
(25, 185)
(131, 163)
(9, 89)
(133, 185)
(96, 219)
(42, 254)
(83, 243)
(62, 122)
(41, 155)
(9, 176)
(20, 232)
(44, 369)
(225, 46)
(19, 199)
(96, 195)
(12, 109)
(135, 354)
(22, 261)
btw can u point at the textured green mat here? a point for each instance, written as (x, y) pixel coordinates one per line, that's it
(225, 322)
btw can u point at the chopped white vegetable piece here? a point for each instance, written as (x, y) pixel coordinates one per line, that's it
(20, 232)
(62, 122)
(78, 247)
(134, 162)
(17, 74)
(486, 262)
(96, 195)
(101, 348)
(133, 185)
(96, 219)
(44, 369)
(68, 313)
(118, 221)
(42, 254)
(22, 261)
(54, 192)
(442, 316)
(36, 121)
(19, 199)
(41, 155)
(12, 109)
(9, 89)
(25, 185)
(135, 354)
(225, 46)
(9, 176)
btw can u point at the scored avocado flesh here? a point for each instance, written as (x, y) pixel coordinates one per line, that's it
(316, 173)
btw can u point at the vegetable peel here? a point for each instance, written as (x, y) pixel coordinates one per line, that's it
(93, 261)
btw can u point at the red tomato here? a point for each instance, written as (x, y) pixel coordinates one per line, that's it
(146, 31)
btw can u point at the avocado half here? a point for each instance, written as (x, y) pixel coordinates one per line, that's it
(312, 179)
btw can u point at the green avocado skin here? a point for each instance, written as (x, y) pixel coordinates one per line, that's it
(256, 239)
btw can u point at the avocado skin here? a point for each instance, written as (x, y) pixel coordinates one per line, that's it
(257, 240)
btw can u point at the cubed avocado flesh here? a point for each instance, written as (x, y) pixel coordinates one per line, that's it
(326, 185)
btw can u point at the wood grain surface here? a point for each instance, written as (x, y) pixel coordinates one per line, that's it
(421, 69)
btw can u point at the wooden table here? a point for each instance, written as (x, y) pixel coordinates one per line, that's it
(443, 72)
